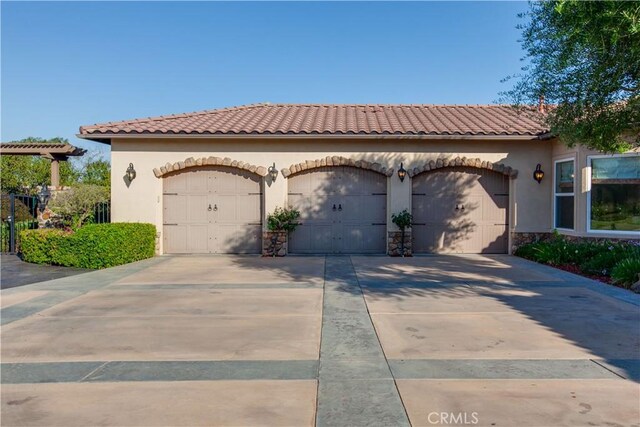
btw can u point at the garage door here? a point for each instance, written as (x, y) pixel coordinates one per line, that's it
(212, 210)
(343, 211)
(460, 210)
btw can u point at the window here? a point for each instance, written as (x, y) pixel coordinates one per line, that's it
(563, 194)
(614, 196)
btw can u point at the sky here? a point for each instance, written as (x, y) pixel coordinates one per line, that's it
(69, 64)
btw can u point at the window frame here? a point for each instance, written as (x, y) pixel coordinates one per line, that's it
(588, 177)
(556, 194)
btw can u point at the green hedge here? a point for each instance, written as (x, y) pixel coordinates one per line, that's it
(92, 246)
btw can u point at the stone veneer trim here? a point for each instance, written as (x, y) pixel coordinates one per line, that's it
(209, 161)
(446, 162)
(335, 161)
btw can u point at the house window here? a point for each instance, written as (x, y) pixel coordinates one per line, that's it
(614, 196)
(563, 194)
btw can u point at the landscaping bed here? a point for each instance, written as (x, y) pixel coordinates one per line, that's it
(616, 263)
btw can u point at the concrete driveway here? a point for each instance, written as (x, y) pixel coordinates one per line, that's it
(345, 341)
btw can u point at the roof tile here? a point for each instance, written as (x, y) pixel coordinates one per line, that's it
(305, 119)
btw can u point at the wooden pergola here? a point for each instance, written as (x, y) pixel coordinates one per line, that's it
(55, 152)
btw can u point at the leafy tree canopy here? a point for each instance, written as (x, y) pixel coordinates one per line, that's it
(584, 58)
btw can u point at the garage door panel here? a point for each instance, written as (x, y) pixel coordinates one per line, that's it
(364, 208)
(176, 184)
(237, 239)
(197, 208)
(481, 227)
(344, 229)
(232, 225)
(175, 239)
(175, 208)
(312, 239)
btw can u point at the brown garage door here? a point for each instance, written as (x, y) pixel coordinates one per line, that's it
(343, 211)
(460, 210)
(212, 210)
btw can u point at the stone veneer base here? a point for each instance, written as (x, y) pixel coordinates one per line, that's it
(274, 243)
(394, 239)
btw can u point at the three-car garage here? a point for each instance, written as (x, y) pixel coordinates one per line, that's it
(219, 209)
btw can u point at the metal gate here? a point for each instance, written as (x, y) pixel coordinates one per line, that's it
(19, 212)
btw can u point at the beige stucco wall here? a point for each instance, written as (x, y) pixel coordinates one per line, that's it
(580, 155)
(530, 202)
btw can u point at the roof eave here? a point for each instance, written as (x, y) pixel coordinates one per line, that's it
(106, 138)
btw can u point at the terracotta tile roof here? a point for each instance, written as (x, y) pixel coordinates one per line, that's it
(315, 119)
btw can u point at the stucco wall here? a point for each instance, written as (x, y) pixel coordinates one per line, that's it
(530, 202)
(580, 154)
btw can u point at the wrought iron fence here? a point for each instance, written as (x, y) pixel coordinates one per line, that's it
(18, 212)
(102, 213)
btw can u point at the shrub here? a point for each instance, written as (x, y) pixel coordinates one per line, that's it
(78, 204)
(527, 251)
(92, 246)
(283, 219)
(402, 219)
(626, 272)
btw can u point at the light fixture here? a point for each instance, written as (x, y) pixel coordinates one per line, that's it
(538, 174)
(131, 172)
(273, 172)
(43, 197)
(402, 173)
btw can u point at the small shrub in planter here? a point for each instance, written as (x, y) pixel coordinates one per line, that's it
(92, 246)
(281, 220)
(402, 220)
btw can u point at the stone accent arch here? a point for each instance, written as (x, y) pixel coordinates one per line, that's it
(336, 161)
(208, 161)
(446, 162)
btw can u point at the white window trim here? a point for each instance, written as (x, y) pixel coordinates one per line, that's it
(556, 194)
(589, 189)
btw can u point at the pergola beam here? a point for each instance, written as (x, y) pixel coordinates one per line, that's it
(53, 152)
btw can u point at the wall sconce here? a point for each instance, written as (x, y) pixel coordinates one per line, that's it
(131, 172)
(43, 197)
(273, 172)
(538, 174)
(402, 173)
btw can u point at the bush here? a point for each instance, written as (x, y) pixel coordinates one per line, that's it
(283, 219)
(92, 246)
(77, 205)
(626, 272)
(616, 260)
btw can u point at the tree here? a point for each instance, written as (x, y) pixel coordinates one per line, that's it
(584, 59)
(77, 205)
(95, 170)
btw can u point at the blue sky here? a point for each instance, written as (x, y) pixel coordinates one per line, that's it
(69, 64)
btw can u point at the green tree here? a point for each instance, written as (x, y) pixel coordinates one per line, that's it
(584, 59)
(21, 174)
(77, 205)
(93, 169)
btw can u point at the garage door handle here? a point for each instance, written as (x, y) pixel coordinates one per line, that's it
(334, 208)
(215, 207)
(339, 207)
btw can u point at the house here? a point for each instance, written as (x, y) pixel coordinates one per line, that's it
(208, 179)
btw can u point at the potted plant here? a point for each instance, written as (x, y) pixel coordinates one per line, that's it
(282, 220)
(403, 220)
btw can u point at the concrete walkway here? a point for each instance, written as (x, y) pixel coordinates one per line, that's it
(336, 341)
